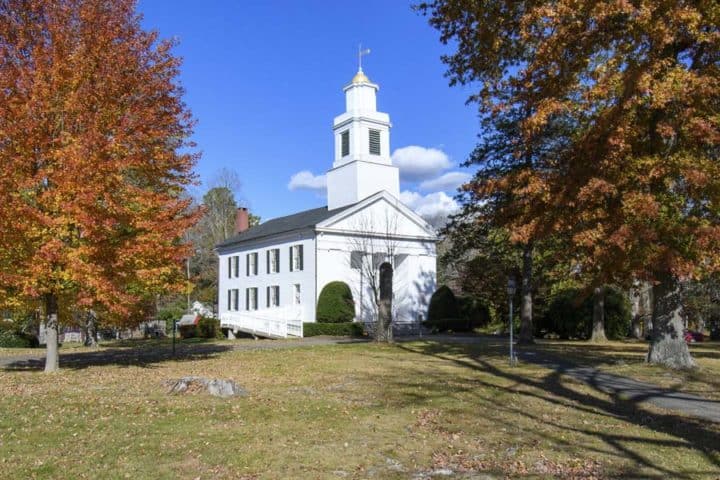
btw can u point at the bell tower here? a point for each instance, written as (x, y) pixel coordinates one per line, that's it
(362, 164)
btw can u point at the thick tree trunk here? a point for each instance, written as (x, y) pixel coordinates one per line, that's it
(90, 329)
(52, 358)
(526, 298)
(636, 327)
(646, 308)
(636, 323)
(598, 329)
(385, 333)
(668, 346)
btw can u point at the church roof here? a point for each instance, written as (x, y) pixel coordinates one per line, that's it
(289, 223)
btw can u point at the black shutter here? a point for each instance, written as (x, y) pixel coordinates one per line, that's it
(247, 299)
(247, 265)
(229, 267)
(256, 263)
(229, 296)
(292, 266)
(300, 254)
(267, 261)
(267, 294)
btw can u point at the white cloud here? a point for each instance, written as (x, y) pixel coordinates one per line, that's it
(420, 163)
(433, 207)
(305, 180)
(449, 181)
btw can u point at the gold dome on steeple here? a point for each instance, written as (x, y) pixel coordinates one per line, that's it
(360, 77)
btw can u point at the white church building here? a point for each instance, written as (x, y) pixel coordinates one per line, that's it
(270, 275)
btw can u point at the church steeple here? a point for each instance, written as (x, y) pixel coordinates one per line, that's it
(362, 164)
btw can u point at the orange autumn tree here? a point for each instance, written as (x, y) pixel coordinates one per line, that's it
(637, 189)
(94, 158)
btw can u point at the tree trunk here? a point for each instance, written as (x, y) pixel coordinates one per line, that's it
(52, 358)
(668, 345)
(90, 329)
(526, 299)
(598, 330)
(385, 304)
(646, 308)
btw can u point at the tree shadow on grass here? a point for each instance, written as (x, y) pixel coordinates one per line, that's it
(699, 435)
(136, 356)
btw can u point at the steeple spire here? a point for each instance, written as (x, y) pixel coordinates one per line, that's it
(361, 52)
(362, 164)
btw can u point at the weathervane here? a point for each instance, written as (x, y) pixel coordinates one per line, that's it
(361, 52)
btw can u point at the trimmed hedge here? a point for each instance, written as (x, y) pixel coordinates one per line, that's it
(569, 315)
(335, 304)
(443, 304)
(345, 329)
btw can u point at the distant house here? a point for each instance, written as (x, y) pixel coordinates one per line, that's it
(270, 275)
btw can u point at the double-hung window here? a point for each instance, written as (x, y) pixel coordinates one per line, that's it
(273, 296)
(297, 294)
(296, 258)
(234, 266)
(233, 300)
(251, 265)
(273, 260)
(251, 298)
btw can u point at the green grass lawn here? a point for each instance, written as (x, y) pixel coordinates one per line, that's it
(413, 410)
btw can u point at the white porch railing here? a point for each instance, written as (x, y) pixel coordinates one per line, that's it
(278, 322)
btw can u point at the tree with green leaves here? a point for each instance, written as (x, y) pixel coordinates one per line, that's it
(637, 185)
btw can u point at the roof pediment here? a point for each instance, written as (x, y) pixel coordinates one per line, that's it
(381, 215)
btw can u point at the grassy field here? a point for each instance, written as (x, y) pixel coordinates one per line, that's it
(413, 410)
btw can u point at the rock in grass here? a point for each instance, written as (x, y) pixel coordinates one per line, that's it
(215, 386)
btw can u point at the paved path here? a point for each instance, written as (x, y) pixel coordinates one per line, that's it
(628, 389)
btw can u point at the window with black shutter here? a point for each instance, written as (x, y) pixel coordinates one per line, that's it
(236, 259)
(374, 142)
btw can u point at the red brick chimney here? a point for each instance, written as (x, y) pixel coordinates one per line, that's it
(241, 220)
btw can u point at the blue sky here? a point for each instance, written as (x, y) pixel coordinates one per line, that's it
(264, 80)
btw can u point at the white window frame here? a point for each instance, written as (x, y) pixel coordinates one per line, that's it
(297, 294)
(297, 261)
(273, 296)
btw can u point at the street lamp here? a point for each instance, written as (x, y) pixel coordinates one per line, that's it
(511, 294)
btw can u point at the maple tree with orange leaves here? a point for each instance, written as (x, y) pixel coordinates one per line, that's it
(635, 186)
(94, 159)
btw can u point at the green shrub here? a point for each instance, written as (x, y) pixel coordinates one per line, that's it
(345, 329)
(335, 304)
(443, 304)
(188, 331)
(569, 314)
(474, 311)
(205, 328)
(209, 328)
(12, 337)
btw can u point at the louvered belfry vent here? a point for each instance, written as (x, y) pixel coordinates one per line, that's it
(345, 143)
(374, 142)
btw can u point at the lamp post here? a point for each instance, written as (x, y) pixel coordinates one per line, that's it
(511, 294)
